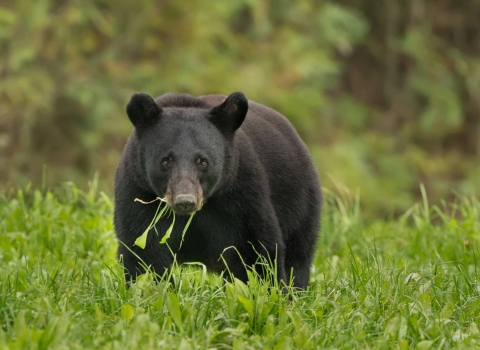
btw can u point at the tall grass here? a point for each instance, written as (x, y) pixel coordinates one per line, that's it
(402, 284)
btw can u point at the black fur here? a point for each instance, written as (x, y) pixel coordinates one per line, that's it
(247, 166)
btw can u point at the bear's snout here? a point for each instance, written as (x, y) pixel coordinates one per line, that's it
(184, 204)
(184, 193)
(184, 197)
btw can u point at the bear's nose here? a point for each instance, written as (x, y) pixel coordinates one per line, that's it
(184, 203)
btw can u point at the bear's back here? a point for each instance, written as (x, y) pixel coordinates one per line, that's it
(269, 132)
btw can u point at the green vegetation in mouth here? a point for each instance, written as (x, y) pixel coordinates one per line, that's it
(141, 241)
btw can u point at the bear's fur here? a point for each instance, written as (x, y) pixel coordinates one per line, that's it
(242, 164)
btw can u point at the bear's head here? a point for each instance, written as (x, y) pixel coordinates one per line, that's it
(184, 152)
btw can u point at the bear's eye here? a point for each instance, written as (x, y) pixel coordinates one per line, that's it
(166, 162)
(202, 163)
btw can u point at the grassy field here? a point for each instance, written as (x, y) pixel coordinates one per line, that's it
(408, 283)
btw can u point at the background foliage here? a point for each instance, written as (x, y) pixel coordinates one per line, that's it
(385, 93)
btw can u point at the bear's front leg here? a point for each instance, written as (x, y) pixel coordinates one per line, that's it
(154, 258)
(131, 220)
(260, 248)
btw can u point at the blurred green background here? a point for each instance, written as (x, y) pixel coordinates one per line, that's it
(385, 93)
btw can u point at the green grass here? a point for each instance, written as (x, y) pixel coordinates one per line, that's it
(400, 284)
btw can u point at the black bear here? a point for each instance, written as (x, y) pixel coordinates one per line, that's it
(240, 165)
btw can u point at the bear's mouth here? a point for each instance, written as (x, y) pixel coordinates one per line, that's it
(184, 212)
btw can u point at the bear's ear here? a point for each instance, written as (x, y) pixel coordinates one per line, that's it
(143, 111)
(229, 115)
